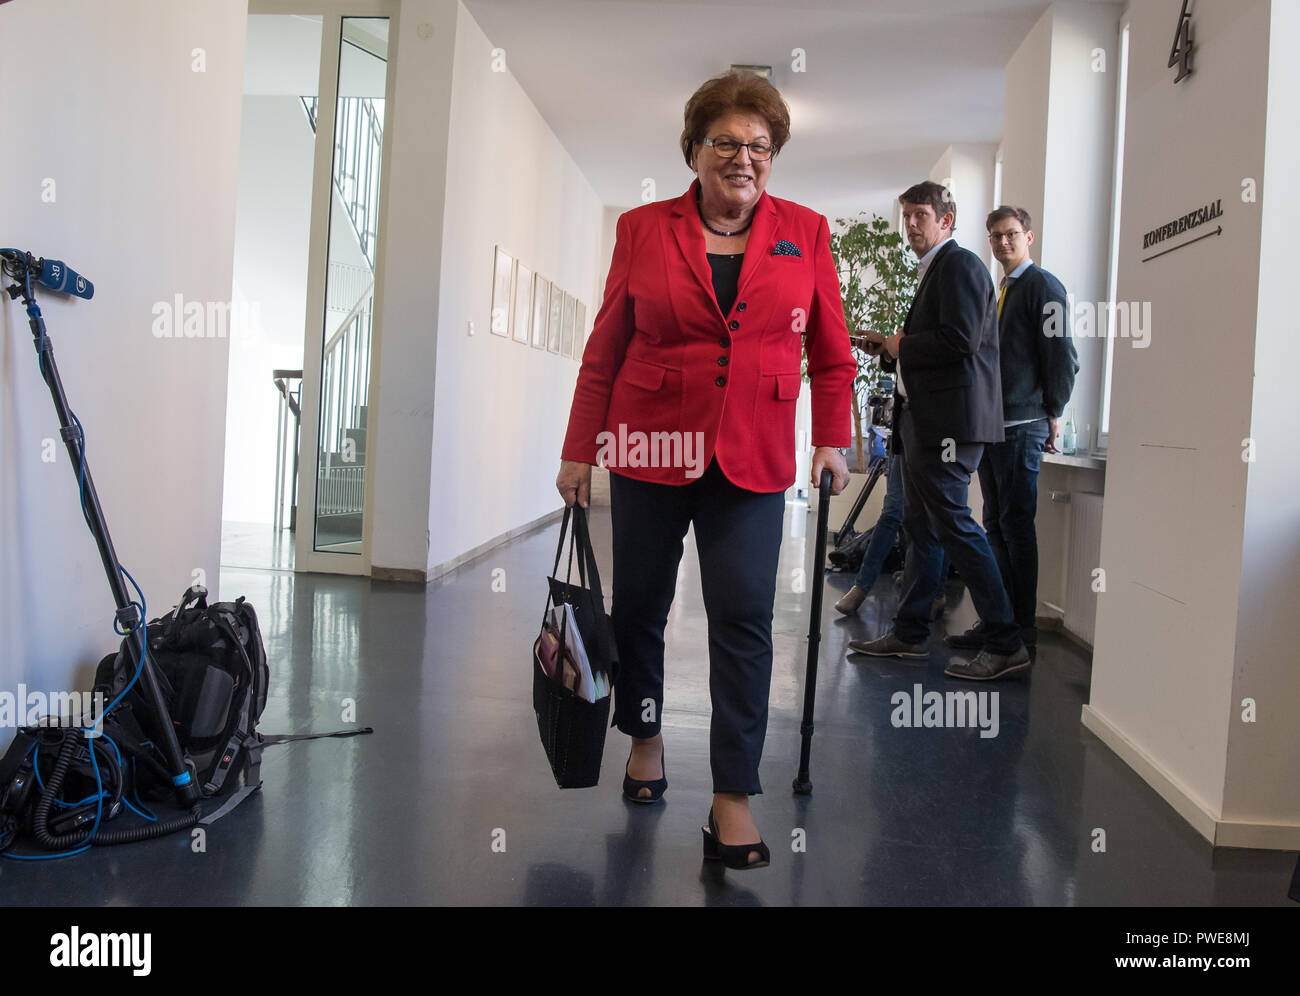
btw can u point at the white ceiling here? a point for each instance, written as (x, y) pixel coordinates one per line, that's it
(889, 84)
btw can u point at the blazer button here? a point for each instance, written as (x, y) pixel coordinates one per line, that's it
(733, 325)
(740, 306)
(725, 341)
(720, 381)
(722, 361)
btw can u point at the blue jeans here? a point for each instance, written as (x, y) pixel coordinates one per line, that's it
(885, 534)
(884, 537)
(1009, 479)
(938, 520)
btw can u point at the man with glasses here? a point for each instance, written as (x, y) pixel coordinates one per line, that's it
(1038, 362)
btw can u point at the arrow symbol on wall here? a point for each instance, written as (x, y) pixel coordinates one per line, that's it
(1217, 231)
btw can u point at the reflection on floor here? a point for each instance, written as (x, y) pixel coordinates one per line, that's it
(255, 546)
(451, 800)
(258, 546)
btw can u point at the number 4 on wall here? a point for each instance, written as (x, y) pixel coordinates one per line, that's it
(1181, 53)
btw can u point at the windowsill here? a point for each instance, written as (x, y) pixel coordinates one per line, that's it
(1090, 461)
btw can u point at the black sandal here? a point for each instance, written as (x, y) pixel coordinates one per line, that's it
(632, 788)
(732, 855)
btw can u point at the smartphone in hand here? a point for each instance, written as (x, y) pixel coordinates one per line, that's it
(870, 342)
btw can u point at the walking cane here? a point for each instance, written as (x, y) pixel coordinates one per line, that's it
(802, 782)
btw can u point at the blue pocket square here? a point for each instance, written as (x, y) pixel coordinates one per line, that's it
(784, 248)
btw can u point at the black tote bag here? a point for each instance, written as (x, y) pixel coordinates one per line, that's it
(572, 729)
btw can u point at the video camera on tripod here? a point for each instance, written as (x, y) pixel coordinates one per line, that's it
(881, 403)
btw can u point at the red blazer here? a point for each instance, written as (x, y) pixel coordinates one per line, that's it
(663, 361)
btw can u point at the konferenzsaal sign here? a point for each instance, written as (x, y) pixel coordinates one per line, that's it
(1179, 225)
(1184, 223)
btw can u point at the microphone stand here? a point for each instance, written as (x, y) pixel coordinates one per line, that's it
(128, 615)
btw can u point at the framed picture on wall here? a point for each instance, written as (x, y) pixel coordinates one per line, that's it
(579, 330)
(501, 277)
(523, 302)
(566, 341)
(541, 309)
(553, 319)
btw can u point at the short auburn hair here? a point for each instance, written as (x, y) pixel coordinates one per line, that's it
(1007, 211)
(735, 92)
(936, 195)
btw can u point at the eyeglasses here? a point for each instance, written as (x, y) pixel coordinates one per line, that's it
(996, 237)
(760, 149)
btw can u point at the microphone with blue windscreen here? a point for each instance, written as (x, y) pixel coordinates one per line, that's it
(51, 273)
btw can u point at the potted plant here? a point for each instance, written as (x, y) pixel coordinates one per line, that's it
(877, 282)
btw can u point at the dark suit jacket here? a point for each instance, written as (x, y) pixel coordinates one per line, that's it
(949, 352)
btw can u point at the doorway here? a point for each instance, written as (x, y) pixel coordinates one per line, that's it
(308, 256)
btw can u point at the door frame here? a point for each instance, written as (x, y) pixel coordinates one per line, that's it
(332, 13)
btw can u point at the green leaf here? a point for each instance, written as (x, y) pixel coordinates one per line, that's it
(877, 282)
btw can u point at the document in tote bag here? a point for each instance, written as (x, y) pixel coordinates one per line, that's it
(574, 663)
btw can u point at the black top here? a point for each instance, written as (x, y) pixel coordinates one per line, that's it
(726, 277)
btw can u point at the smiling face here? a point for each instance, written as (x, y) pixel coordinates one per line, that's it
(732, 186)
(923, 229)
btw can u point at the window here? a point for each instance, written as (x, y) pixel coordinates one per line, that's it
(1112, 270)
(997, 203)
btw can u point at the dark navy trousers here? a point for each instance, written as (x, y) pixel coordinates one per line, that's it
(938, 520)
(1009, 481)
(738, 539)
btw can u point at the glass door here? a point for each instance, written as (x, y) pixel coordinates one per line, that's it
(346, 261)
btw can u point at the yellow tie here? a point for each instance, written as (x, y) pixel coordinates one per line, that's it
(1002, 296)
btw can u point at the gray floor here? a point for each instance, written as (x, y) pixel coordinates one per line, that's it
(451, 800)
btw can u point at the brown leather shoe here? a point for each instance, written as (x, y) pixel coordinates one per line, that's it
(852, 601)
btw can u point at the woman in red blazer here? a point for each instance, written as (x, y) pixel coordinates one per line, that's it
(687, 394)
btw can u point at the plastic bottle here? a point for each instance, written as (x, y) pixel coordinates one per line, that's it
(1068, 443)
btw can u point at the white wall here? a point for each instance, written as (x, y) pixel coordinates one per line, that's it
(407, 290)
(967, 168)
(143, 152)
(271, 242)
(1024, 122)
(502, 407)
(1263, 780)
(1173, 659)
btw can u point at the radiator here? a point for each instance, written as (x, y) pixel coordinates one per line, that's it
(1085, 557)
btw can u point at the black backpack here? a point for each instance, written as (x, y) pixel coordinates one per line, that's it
(212, 668)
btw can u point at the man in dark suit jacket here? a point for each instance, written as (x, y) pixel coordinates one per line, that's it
(950, 406)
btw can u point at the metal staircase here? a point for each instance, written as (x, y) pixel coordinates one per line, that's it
(349, 308)
(358, 143)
